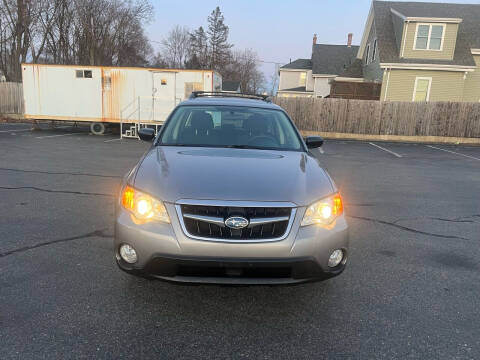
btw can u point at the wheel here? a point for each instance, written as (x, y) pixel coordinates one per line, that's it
(97, 128)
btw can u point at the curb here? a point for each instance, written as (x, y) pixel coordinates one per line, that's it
(394, 138)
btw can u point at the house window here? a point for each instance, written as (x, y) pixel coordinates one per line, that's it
(367, 54)
(303, 79)
(422, 89)
(374, 53)
(83, 74)
(429, 37)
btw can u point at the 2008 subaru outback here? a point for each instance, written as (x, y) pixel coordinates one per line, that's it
(230, 193)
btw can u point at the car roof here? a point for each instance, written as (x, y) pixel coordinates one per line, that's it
(229, 101)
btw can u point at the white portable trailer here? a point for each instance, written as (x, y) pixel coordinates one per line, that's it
(131, 97)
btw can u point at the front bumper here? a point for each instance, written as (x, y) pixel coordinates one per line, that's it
(232, 270)
(165, 252)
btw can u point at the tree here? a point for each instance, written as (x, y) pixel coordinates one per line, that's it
(16, 22)
(110, 32)
(94, 32)
(176, 47)
(274, 79)
(198, 50)
(243, 67)
(218, 46)
(159, 61)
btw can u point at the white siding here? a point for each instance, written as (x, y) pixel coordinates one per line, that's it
(322, 86)
(54, 92)
(289, 79)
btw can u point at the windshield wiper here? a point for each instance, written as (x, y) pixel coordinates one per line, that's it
(246, 147)
(236, 146)
(224, 146)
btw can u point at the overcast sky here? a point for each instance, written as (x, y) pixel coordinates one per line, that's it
(279, 30)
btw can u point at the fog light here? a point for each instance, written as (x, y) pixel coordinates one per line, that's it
(336, 258)
(128, 253)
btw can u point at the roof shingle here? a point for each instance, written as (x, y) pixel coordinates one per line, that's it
(303, 64)
(332, 59)
(354, 71)
(297, 89)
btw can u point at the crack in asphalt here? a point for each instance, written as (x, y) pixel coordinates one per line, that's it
(452, 220)
(53, 191)
(60, 173)
(469, 217)
(407, 228)
(461, 219)
(96, 233)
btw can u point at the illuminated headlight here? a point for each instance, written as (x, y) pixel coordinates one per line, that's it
(128, 253)
(143, 207)
(335, 258)
(323, 212)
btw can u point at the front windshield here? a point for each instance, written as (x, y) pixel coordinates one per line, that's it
(230, 126)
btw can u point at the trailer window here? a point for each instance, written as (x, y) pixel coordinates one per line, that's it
(83, 74)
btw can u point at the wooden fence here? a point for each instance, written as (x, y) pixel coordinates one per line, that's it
(11, 98)
(454, 119)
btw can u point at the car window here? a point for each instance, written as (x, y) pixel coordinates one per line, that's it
(230, 126)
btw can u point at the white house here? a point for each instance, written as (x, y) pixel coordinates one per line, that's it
(311, 77)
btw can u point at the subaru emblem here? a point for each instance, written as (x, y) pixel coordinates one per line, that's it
(236, 222)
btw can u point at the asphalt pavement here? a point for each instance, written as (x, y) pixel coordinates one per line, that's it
(410, 291)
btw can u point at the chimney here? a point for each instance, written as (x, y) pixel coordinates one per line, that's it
(314, 39)
(349, 42)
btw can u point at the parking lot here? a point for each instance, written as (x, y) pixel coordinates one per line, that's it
(411, 288)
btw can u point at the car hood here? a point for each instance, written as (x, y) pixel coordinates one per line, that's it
(172, 173)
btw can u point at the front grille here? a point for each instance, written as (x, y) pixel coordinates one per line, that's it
(209, 230)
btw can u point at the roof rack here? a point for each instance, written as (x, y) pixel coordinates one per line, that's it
(196, 94)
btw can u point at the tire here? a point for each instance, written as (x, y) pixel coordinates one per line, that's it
(97, 128)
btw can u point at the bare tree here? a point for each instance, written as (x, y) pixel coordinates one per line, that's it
(274, 79)
(243, 66)
(60, 43)
(175, 47)
(110, 32)
(16, 18)
(95, 32)
(159, 61)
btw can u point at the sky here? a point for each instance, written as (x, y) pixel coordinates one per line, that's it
(279, 30)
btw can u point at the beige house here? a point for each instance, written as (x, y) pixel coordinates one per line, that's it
(312, 77)
(421, 51)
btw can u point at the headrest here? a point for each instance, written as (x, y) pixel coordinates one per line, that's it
(202, 120)
(228, 127)
(256, 123)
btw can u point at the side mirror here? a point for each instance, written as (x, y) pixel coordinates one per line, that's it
(314, 142)
(146, 134)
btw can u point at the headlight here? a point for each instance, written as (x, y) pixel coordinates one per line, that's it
(143, 207)
(323, 212)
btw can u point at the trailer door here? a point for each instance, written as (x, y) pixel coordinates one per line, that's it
(163, 94)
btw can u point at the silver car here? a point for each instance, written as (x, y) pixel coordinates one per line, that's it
(229, 192)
